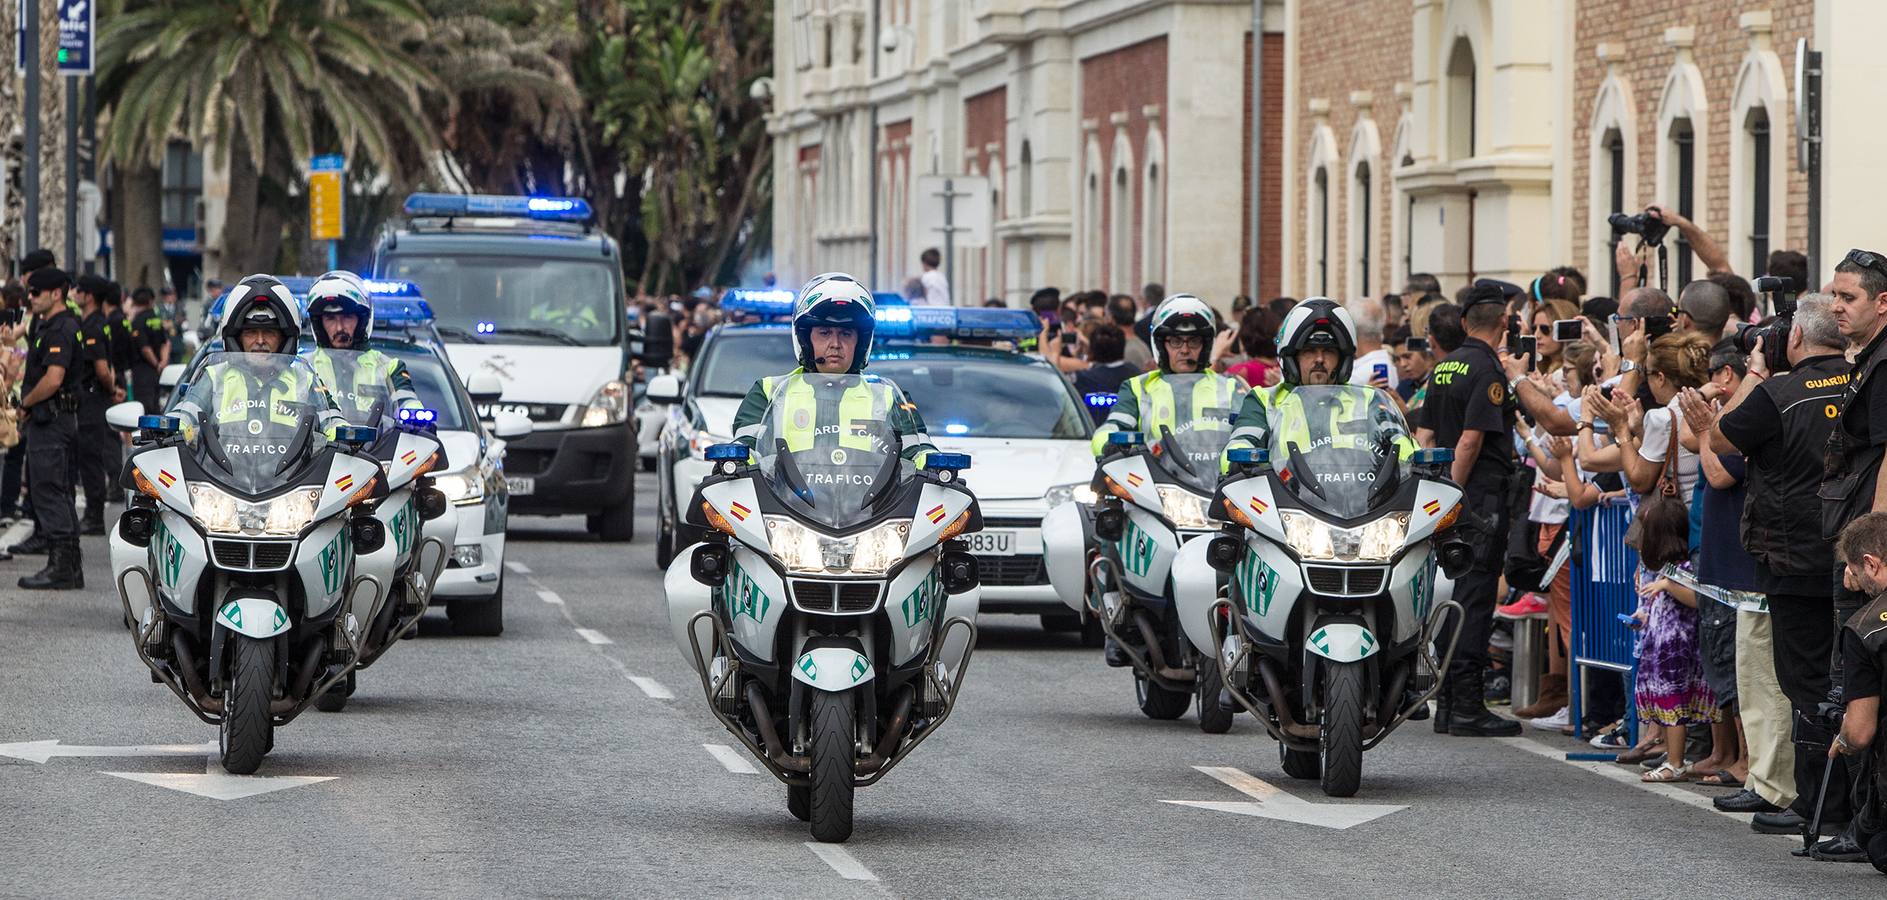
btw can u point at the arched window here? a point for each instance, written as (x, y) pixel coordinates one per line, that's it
(1320, 230)
(1153, 211)
(1026, 175)
(1091, 233)
(1120, 249)
(1614, 145)
(1461, 100)
(1759, 198)
(1683, 157)
(1360, 207)
(1756, 131)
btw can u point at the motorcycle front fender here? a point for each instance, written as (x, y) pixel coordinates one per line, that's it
(1343, 642)
(252, 616)
(833, 669)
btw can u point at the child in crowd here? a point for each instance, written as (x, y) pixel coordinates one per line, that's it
(1671, 692)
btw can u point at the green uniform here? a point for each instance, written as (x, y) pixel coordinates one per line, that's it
(872, 397)
(1148, 402)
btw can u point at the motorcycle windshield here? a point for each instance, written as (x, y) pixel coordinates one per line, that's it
(1337, 447)
(826, 446)
(1190, 451)
(358, 383)
(256, 418)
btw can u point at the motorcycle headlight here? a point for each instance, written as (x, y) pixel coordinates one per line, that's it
(610, 406)
(1080, 492)
(699, 444)
(1183, 508)
(1378, 541)
(804, 551)
(283, 516)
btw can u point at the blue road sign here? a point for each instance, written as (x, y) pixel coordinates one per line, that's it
(78, 26)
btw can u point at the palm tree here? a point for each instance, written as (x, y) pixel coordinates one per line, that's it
(274, 80)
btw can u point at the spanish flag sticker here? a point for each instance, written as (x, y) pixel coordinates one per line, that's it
(1134, 479)
(344, 482)
(1258, 506)
(408, 457)
(165, 478)
(739, 512)
(935, 514)
(1432, 507)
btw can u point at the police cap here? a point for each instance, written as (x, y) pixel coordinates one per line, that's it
(48, 278)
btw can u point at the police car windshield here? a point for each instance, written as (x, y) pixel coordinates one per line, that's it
(516, 299)
(736, 358)
(983, 398)
(827, 448)
(1337, 445)
(255, 416)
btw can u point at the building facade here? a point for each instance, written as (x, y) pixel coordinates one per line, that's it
(1466, 138)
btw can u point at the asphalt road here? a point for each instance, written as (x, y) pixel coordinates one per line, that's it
(554, 761)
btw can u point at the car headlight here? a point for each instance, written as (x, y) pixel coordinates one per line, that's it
(1183, 508)
(804, 551)
(221, 513)
(609, 407)
(1080, 492)
(464, 487)
(703, 439)
(1378, 541)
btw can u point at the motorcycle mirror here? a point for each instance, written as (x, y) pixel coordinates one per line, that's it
(124, 416)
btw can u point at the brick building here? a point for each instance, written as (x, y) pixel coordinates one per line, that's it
(1460, 137)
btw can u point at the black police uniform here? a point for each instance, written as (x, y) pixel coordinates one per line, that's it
(148, 330)
(123, 351)
(52, 425)
(96, 449)
(1864, 675)
(1468, 391)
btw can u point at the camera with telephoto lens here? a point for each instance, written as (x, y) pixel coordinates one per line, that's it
(1774, 331)
(1643, 224)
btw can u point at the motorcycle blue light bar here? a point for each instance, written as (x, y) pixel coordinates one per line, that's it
(1126, 438)
(164, 424)
(758, 303)
(356, 434)
(1101, 400)
(547, 209)
(960, 323)
(1247, 456)
(418, 415)
(718, 452)
(384, 288)
(937, 462)
(1433, 456)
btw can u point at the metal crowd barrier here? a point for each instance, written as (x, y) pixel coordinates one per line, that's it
(1602, 589)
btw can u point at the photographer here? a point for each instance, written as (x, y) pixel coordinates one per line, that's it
(1863, 548)
(1781, 424)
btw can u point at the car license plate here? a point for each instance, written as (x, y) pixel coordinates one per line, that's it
(520, 487)
(992, 543)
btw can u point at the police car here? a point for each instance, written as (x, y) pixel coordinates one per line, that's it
(1019, 419)
(473, 579)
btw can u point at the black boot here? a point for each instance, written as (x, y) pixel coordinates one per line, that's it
(1468, 715)
(62, 571)
(32, 546)
(1443, 697)
(94, 520)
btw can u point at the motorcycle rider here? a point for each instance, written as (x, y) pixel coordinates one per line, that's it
(1317, 346)
(832, 327)
(1182, 329)
(342, 314)
(261, 318)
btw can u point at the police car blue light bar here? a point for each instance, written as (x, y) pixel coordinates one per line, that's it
(549, 209)
(383, 288)
(401, 311)
(971, 322)
(758, 302)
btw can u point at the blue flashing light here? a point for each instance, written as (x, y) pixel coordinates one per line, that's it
(1248, 456)
(487, 328)
(956, 428)
(758, 303)
(549, 209)
(395, 311)
(1126, 438)
(1433, 456)
(383, 288)
(356, 434)
(719, 452)
(1101, 400)
(418, 415)
(160, 424)
(965, 322)
(954, 462)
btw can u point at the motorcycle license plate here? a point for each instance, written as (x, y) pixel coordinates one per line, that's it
(520, 487)
(992, 543)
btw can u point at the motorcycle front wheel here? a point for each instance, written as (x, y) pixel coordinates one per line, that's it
(833, 755)
(246, 733)
(1343, 729)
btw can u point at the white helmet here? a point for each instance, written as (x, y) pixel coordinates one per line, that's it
(343, 292)
(1180, 314)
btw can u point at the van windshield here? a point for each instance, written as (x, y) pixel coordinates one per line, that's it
(516, 299)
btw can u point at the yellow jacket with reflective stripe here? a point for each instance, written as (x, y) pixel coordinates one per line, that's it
(1147, 403)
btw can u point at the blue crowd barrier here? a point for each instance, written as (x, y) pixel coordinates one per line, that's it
(1603, 588)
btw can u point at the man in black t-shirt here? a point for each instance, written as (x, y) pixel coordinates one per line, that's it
(95, 452)
(1863, 547)
(150, 347)
(1470, 409)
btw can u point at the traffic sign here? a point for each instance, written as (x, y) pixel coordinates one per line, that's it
(325, 197)
(78, 24)
(954, 209)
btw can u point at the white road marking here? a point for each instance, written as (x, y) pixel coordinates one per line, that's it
(41, 751)
(730, 759)
(1630, 776)
(841, 862)
(550, 597)
(221, 785)
(1271, 802)
(517, 567)
(651, 687)
(594, 636)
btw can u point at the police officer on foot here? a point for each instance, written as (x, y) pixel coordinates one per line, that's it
(150, 348)
(50, 407)
(1470, 408)
(98, 389)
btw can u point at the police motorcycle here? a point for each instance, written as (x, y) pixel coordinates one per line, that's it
(1320, 596)
(412, 514)
(237, 553)
(831, 611)
(1114, 561)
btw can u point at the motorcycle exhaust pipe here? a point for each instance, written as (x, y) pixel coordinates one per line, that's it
(770, 736)
(309, 660)
(1155, 654)
(888, 742)
(187, 667)
(1279, 707)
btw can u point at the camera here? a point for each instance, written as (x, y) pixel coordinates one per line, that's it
(12, 316)
(1567, 331)
(1774, 331)
(1643, 224)
(1418, 345)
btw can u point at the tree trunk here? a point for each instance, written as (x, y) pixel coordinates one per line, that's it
(52, 158)
(731, 226)
(239, 212)
(137, 227)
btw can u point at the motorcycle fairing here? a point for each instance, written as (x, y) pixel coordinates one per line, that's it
(1145, 551)
(411, 452)
(754, 596)
(163, 468)
(937, 507)
(324, 561)
(914, 601)
(1269, 582)
(1433, 500)
(736, 500)
(686, 598)
(177, 557)
(1066, 533)
(1195, 590)
(1132, 475)
(346, 474)
(1254, 498)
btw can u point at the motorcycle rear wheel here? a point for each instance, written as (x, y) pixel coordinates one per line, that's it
(1301, 764)
(833, 755)
(799, 802)
(334, 699)
(246, 732)
(1214, 717)
(1343, 729)
(1158, 702)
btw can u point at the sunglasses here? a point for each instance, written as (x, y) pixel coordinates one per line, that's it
(1867, 259)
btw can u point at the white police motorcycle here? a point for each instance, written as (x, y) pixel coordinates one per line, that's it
(1116, 560)
(830, 613)
(236, 555)
(1329, 620)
